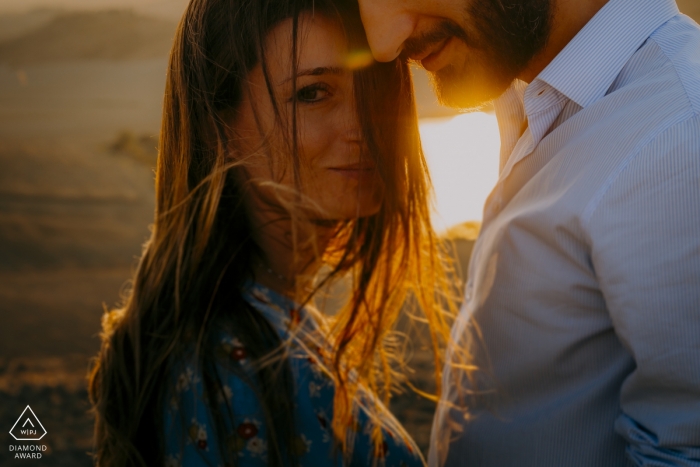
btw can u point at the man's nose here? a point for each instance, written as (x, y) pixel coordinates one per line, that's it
(387, 27)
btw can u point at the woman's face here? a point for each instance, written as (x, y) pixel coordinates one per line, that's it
(336, 176)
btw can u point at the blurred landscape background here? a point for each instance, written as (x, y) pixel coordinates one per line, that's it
(81, 84)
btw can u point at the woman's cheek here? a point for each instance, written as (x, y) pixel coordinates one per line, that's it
(322, 146)
(316, 137)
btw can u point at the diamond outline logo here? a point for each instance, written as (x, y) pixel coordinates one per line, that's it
(30, 422)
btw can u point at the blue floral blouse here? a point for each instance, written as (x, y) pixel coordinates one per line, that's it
(189, 431)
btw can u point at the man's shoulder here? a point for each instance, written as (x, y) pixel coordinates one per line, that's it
(649, 118)
(679, 42)
(656, 93)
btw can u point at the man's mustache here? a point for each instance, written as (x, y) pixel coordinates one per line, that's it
(416, 46)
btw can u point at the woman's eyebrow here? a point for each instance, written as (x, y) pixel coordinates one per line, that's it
(318, 71)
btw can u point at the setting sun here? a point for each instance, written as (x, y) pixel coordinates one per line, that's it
(462, 154)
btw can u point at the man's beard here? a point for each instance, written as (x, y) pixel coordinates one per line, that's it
(504, 38)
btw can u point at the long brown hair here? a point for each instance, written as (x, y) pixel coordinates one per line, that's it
(201, 251)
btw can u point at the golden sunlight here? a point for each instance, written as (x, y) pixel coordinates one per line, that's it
(462, 154)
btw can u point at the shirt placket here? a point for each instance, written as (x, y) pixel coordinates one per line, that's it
(541, 106)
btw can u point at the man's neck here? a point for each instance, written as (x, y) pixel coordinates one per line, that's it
(569, 17)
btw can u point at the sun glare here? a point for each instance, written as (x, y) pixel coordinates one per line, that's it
(462, 154)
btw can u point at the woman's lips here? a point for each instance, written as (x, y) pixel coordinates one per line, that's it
(355, 172)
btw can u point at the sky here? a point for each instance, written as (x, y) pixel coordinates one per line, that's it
(462, 153)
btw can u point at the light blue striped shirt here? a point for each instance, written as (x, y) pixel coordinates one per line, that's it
(582, 306)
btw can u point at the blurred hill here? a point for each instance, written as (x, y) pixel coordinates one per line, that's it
(111, 35)
(169, 9)
(16, 24)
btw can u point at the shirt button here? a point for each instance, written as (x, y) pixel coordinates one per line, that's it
(468, 293)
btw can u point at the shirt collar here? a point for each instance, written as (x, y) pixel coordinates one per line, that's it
(510, 114)
(586, 68)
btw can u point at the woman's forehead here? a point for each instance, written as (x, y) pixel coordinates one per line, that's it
(321, 45)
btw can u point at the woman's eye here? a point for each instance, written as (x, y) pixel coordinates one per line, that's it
(313, 93)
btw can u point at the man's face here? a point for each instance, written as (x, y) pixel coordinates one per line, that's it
(473, 48)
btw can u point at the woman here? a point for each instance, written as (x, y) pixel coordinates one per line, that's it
(284, 151)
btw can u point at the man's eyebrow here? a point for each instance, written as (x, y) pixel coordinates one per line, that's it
(318, 71)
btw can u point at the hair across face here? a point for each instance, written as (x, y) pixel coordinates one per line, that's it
(494, 42)
(337, 176)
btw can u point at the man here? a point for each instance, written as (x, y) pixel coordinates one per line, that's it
(582, 307)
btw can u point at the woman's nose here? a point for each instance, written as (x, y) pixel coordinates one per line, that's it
(387, 26)
(348, 121)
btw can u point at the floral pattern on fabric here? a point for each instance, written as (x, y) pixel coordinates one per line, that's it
(189, 428)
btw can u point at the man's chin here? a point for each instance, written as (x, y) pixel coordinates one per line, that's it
(467, 92)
